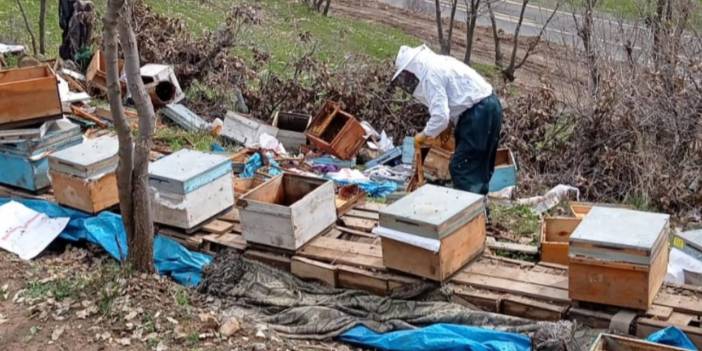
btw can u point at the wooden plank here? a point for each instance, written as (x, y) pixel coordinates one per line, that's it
(356, 278)
(660, 312)
(363, 214)
(677, 318)
(371, 206)
(217, 227)
(511, 247)
(230, 216)
(365, 225)
(311, 269)
(680, 303)
(532, 309)
(216, 242)
(346, 252)
(355, 232)
(274, 260)
(515, 274)
(513, 287)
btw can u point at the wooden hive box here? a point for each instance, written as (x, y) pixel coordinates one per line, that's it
(618, 257)
(432, 232)
(291, 129)
(245, 130)
(555, 233)
(83, 176)
(287, 211)
(610, 342)
(96, 74)
(28, 95)
(189, 187)
(505, 174)
(336, 132)
(25, 163)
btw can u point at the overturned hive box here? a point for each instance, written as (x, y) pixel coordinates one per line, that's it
(96, 74)
(336, 132)
(432, 232)
(287, 211)
(189, 187)
(245, 129)
(555, 234)
(28, 95)
(610, 342)
(25, 163)
(291, 129)
(618, 257)
(83, 176)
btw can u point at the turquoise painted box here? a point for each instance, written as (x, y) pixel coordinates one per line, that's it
(505, 171)
(24, 164)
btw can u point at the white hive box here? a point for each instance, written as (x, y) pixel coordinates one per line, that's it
(83, 176)
(287, 211)
(432, 232)
(618, 257)
(189, 187)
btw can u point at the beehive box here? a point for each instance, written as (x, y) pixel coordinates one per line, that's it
(505, 174)
(96, 74)
(291, 129)
(336, 132)
(432, 232)
(287, 211)
(555, 233)
(28, 95)
(245, 130)
(83, 176)
(618, 257)
(610, 342)
(189, 187)
(25, 163)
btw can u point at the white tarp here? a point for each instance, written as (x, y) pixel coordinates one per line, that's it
(26, 232)
(678, 263)
(430, 244)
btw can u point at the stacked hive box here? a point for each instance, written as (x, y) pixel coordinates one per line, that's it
(432, 232)
(28, 96)
(287, 211)
(25, 162)
(336, 132)
(618, 257)
(189, 187)
(83, 176)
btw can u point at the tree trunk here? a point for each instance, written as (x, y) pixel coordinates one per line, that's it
(132, 173)
(449, 40)
(495, 35)
(585, 34)
(42, 27)
(439, 27)
(326, 7)
(471, 20)
(29, 28)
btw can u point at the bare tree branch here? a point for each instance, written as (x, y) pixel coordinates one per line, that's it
(29, 28)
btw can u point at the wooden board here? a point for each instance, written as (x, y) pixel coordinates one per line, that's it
(314, 270)
(610, 342)
(28, 95)
(89, 195)
(217, 226)
(555, 232)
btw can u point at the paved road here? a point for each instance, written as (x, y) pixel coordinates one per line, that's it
(610, 32)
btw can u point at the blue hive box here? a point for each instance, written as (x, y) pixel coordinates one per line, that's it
(25, 163)
(505, 171)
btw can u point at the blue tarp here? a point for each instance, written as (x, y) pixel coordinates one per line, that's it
(672, 336)
(106, 229)
(438, 337)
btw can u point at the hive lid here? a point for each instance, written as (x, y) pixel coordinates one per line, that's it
(186, 170)
(58, 133)
(92, 157)
(619, 234)
(432, 211)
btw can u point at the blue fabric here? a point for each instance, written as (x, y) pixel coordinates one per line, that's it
(373, 189)
(438, 337)
(106, 230)
(672, 336)
(274, 168)
(253, 163)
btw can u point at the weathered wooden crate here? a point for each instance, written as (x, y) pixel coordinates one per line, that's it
(618, 257)
(291, 129)
(555, 233)
(25, 163)
(336, 132)
(83, 176)
(189, 187)
(245, 130)
(287, 211)
(96, 74)
(432, 232)
(610, 342)
(28, 95)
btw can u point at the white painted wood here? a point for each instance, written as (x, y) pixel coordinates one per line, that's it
(314, 213)
(189, 210)
(93, 157)
(245, 130)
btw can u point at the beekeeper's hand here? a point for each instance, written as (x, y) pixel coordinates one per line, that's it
(420, 139)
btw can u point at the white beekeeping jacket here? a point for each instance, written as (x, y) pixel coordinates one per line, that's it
(447, 86)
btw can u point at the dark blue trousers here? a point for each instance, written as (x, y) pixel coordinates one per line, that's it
(477, 135)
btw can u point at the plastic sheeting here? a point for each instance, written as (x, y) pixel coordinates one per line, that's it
(107, 231)
(672, 336)
(348, 176)
(438, 337)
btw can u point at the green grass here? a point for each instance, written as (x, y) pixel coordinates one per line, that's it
(338, 39)
(519, 219)
(177, 138)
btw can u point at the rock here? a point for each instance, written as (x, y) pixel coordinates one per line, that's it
(124, 341)
(131, 315)
(209, 321)
(56, 334)
(229, 327)
(260, 334)
(259, 346)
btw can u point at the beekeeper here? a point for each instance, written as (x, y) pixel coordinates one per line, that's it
(454, 93)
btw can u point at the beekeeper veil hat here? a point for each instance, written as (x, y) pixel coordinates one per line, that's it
(407, 60)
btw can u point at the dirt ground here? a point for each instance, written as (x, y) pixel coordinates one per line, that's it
(79, 298)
